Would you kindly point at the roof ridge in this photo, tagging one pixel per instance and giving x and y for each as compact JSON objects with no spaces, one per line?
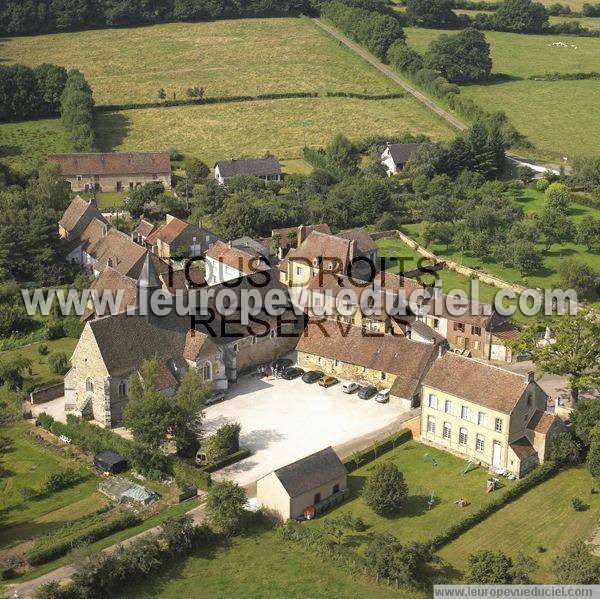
{"x":485,"y":364}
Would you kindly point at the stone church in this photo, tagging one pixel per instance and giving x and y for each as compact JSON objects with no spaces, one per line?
{"x":112,"y":348}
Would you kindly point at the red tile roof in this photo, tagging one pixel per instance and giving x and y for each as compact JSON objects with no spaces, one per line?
{"x":236,"y":258}
{"x":114,"y":163}
{"x":541,"y":422}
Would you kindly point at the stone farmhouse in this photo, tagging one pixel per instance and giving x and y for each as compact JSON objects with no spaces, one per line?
{"x":395,"y":156}
{"x":112,"y":348}
{"x":315,"y":482}
{"x":386,"y":361}
{"x":281,"y":240}
{"x":267,"y":169}
{"x":177,"y":239}
{"x":113,"y":171}
{"x":486,"y":414}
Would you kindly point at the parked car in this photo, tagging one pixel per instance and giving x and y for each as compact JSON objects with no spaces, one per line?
{"x":366,"y":391}
{"x":349,"y":387}
{"x":216,"y":397}
{"x":293,"y":372}
{"x":383,"y":396}
{"x":281,"y":364}
{"x":328,"y":381}
{"x":312,"y":376}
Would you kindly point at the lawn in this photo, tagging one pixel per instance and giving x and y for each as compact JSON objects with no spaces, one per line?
{"x":532,"y":202}
{"x":543,"y":517}
{"x":225,"y":57}
{"x":416,"y":521}
{"x":259,"y":564}
{"x":213,"y":132}
{"x":28,"y":465}
{"x":548,"y":112}
{"x":25,"y":145}
{"x":41,"y":374}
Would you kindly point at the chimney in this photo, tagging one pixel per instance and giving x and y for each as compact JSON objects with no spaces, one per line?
{"x":230,"y":243}
{"x":109,"y":262}
{"x":301,"y":233}
{"x":280,"y":253}
{"x":441,"y":350}
{"x":530,"y":376}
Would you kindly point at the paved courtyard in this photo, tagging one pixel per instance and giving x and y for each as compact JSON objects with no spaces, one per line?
{"x":283,"y":421}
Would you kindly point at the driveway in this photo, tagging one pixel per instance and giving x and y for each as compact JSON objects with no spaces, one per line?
{"x":283,"y":421}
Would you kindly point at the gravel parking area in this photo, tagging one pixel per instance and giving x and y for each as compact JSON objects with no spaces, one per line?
{"x":283,"y":421}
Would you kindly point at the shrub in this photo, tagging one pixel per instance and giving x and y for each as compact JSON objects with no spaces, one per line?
{"x":61,"y":480}
{"x":385,"y":490}
{"x":232,"y":458}
{"x":578,"y":505}
{"x":54,"y":330}
{"x":225,"y":506}
{"x":45,"y":420}
{"x":43,"y":349}
{"x":59,"y":362}
{"x":542,"y":184}
{"x":73,"y":327}
{"x":225,"y":441}
{"x":593,"y":459}
{"x":565,"y":450}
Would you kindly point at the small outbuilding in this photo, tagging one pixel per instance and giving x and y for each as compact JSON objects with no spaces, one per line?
{"x":304,"y":488}
{"x":395,"y":156}
{"x":267,"y":169}
{"x":109,"y":461}
{"x":121,"y":490}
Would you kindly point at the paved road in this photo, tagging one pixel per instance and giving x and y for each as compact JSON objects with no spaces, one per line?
{"x":536,"y":165}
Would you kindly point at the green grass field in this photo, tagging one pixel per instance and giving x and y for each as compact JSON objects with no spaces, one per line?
{"x":416,"y":521}
{"x":226,"y":57}
{"x":260,"y":564}
{"x":28,"y":465}
{"x":24,"y":146}
{"x":561,"y":118}
{"x":532,"y":202}
{"x":542,"y":517}
{"x":41,"y":374}
{"x":219,"y":131}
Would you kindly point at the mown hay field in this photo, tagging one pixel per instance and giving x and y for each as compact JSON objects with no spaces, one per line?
{"x":227,"y":58}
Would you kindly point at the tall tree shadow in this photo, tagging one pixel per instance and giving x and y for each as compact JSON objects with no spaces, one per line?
{"x":112,"y":128}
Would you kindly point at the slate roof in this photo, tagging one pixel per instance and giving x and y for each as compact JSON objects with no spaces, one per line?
{"x":482,"y":384}
{"x":113,"y":163}
{"x":541,"y":422}
{"x":78,"y":210}
{"x":245,"y":261}
{"x":363,"y":239}
{"x":402,"y":152}
{"x":311,"y":472}
{"x":259,"y":167}
{"x":408,"y":360}
{"x":523,"y":448}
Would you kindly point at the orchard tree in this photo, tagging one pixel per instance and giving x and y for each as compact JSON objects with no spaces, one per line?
{"x":579,"y":276}
{"x":557,"y":197}
{"x":489,"y":567}
{"x":386,"y":490}
{"x":556,"y":227}
{"x":525,"y":258}
{"x":575,"y":352}
{"x":588,"y":233}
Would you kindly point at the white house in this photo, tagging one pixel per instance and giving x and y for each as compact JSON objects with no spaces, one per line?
{"x":395,"y":156}
{"x":267,"y":169}
{"x":225,"y":262}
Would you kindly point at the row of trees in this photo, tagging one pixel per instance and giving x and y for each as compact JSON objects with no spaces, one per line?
{"x":44,"y":16}
{"x":27,"y":93}
{"x":368,"y":25}
{"x":77,"y":112}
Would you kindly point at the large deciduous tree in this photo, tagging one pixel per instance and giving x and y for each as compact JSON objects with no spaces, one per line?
{"x":386,"y":490}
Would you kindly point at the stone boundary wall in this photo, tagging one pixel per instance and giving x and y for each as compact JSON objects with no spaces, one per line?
{"x":47,"y":393}
{"x":455,"y":266}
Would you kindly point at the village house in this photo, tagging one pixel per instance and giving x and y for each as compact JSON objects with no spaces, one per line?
{"x":320,"y":252}
{"x":395,"y":156}
{"x":77,"y":217}
{"x":306,"y":487}
{"x":141,"y":232}
{"x":224,"y":262}
{"x":177,"y":239}
{"x":488,"y":415}
{"x":477,"y":331}
{"x":391,"y":362}
{"x":112,"y":348}
{"x":286,"y":238}
{"x":267,"y":169}
{"x":113,"y":171}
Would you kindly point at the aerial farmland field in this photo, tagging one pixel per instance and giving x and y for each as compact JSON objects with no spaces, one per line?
{"x":548,"y":112}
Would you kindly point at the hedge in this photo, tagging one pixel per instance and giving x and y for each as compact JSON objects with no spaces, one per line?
{"x":43,"y":552}
{"x":316,"y":158}
{"x":232,"y":458}
{"x":565,"y":76}
{"x":541,"y":474}
{"x":365,"y":96}
{"x":377,"y":449}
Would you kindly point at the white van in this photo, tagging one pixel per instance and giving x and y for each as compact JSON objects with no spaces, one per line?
{"x":349,"y":387}
{"x":383,"y":396}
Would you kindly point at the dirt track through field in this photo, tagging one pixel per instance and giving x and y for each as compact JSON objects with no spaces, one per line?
{"x":391,"y":75}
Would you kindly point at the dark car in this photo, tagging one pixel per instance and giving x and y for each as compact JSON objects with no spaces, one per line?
{"x":366,"y":391}
{"x":281,"y":364}
{"x":312,"y":376}
{"x":293,"y":372}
